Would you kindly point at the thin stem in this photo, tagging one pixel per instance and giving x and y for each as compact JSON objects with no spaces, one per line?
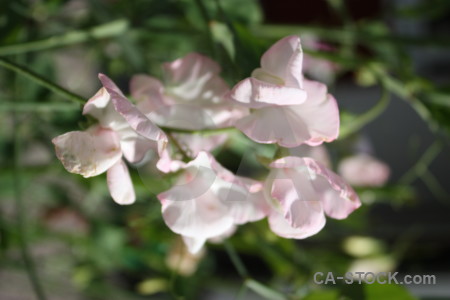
{"x":339,"y":35}
{"x":235,"y":259}
{"x":367,"y":117}
{"x":114,"y":28}
{"x":435,"y":187}
{"x":263,"y":290}
{"x":175,"y":142}
{"x":37,"y":107}
{"x":206,"y":131}
{"x":41,"y":81}
{"x":24,"y":250}
{"x":422,"y":164}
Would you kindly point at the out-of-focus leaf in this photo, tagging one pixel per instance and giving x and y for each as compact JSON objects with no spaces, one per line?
{"x":152,"y":286}
{"x":331,"y":294}
{"x":378,"y":291}
{"x":222,"y":35}
{"x":264,"y":291}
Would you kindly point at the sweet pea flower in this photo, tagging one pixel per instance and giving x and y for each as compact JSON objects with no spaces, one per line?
{"x":286,"y":108}
{"x":191,"y":97}
{"x":302,"y":191}
{"x":102,"y":147}
{"x":208,"y":201}
{"x":364,"y":170}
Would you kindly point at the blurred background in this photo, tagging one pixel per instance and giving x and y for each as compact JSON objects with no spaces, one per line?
{"x":387,"y":64}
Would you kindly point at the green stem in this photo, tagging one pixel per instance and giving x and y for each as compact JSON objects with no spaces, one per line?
{"x":367,"y":117}
{"x":206,"y":131}
{"x":340,"y":35}
{"x":252,"y":284}
{"x":20,"y":218}
{"x":175,"y":142}
{"x":235,"y":259}
{"x":421,"y":166}
{"x":37,"y":107}
{"x":42,"y":81}
{"x":114,"y":28}
{"x":263,"y":290}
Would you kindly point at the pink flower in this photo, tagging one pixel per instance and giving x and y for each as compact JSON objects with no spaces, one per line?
{"x":302,"y":192}
{"x":208,"y":201}
{"x":192,"y":97}
{"x":364,"y":170}
{"x":285,"y":108}
{"x":122,"y":131}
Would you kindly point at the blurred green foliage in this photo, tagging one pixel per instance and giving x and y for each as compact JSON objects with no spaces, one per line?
{"x":83,"y":243}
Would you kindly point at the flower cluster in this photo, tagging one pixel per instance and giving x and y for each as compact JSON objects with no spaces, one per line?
{"x":276,"y":105}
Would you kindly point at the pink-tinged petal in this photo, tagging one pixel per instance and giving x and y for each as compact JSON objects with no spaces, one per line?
{"x":336,"y":207}
{"x":204,"y":216}
{"x":167,"y":165}
{"x":364,"y":170}
{"x":186,"y":116}
{"x":194,"y":143}
{"x":149,"y":93}
{"x":338,"y":198}
{"x":193,"y":244}
{"x":219,"y":239}
{"x":88,"y":153}
{"x":319,"y":114}
{"x":299,"y":201}
{"x":134,"y":149}
{"x":274,"y":125}
{"x":254,"y":93}
{"x":119,"y":184}
{"x":194,"y":78}
{"x":246,"y":206}
{"x":134,"y":146}
{"x":281,"y":227}
{"x":135,"y":118}
{"x":284,"y":60}
{"x":208,"y":200}
{"x":142,"y":86}
{"x":101,"y":108}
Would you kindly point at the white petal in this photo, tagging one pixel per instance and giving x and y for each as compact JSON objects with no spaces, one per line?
{"x":135,"y":118}
{"x":275,"y":125}
{"x":88,"y":153}
{"x":101,"y":108}
{"x":280,"y":226}
{"x":194,"y":78}
{"x":255,"y":93}
{"x":120,"y":184}
{"x":194,"y":245}
{"x":284,"y":59}
{"x":319,"y":114}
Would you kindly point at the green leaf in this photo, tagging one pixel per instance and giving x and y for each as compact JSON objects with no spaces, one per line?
{"x":264,"y":291}
{"x":378,"y":291}
{"x":323,"y":295}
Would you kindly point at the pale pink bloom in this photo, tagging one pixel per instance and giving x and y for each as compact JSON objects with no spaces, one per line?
{"x":286,"y":108}
{"x":302,"y":192}
{"x":191,"y":97}
{"x":208,"y":201}
{"x":364,"y":170}
{"x":101,"y":147}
